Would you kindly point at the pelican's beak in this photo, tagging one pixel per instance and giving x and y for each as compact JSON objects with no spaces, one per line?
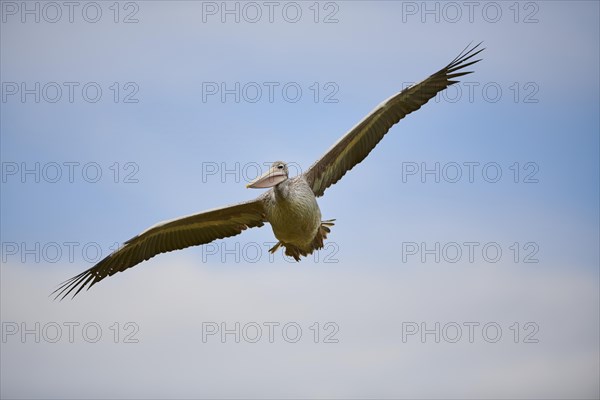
{"x":269,"y":179}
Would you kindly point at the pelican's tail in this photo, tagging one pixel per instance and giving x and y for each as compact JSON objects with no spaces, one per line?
{"x":326,"y":224}
{"x":321,"y":235}
{"x":317,"y":243}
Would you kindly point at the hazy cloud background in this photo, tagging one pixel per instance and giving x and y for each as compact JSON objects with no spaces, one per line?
{"x":365,"y":282}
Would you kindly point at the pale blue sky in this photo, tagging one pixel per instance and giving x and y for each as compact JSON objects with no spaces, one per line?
{"x":170,"y":135}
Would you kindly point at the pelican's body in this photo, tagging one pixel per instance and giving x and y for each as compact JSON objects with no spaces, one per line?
{"x":292,"y":210}
{"x":290,"y":204}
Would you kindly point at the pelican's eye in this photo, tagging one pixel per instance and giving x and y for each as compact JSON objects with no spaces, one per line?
{"x":280,"y":166}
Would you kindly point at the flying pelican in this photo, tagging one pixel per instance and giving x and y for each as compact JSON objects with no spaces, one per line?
{"x":290,"y":205}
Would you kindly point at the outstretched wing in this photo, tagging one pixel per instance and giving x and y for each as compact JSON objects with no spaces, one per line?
{"x":167,"y":236}
{"x":355,"y":145}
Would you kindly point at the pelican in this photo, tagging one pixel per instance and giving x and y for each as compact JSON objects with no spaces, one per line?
{"x":290,"y":204}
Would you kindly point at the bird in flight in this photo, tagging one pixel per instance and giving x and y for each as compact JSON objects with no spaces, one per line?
{"x":290,"y":205}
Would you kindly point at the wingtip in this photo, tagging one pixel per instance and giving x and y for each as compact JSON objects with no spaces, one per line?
{"x":69,"y":285}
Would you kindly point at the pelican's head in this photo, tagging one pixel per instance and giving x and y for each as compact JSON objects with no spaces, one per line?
{"x":277,"y":173}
